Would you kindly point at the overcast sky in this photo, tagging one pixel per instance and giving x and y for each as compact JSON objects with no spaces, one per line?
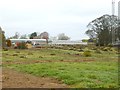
{"x":54,"y":16}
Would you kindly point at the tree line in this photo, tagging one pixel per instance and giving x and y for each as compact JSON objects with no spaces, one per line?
{"x":103,"y":31}
{"x":43,"y":35}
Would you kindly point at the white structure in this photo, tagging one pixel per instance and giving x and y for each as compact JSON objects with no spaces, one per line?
{"x":33,"y":41}
{"x":68,"y":42}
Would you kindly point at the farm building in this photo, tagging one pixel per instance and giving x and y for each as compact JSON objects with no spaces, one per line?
{"x":33,"y":41}
{"x":67,"y":42}
{"x":37,"y":42}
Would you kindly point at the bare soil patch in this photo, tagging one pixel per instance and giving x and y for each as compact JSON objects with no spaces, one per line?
{"x":14,"y":79}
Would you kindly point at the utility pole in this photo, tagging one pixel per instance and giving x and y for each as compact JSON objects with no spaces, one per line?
{"x":118,"y":16}
{"x":119,"y":10}
{"x":113,"y":7}
{"x":112,"y":28}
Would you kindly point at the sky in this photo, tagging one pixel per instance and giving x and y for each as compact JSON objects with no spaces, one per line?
{"x":53,"y":16}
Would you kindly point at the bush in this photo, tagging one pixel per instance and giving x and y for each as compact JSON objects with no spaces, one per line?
{"x":110,"y":45}
{"x":22,"y":45}
{"x":87,"y":53}
{"x":8,"y":42}
{"x":94,"y":48}
{"x":17,"y":51}
{"x":106,"y":49}
{"x":23,"y":57}
{"x":40,"y":57}
{"x":15,"y":54}
{"x":81,"y":50}
{"x":52,"y":54}
{"x":30,"y":53}
{"x":98,"y":51}
{"x":5,"y":49}
{"x":71,"y":49}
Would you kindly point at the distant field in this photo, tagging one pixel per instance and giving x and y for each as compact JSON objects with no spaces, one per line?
{"x":70,"y":67}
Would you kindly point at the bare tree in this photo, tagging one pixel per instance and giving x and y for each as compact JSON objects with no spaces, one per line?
{"x":23,"y":36}
{"x":62,"y":36}
{"x":16,"y":36}
{"x":44,"y":35}
{"x":52,"y":38}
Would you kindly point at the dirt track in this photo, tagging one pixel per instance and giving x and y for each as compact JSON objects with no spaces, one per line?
{"x":14,"y":79}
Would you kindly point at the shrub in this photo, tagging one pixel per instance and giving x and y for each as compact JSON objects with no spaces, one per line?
{"x":113,"y":49}
{"x":22,"y":56}
{"x":106,"y":49}
{"x":110,"y":45}
{"x":30,"y":53}
{"x":81,"y":50}
{"x":98,"y":51}
{"x":8,"y":42}
{"x":17,"y":51}
{"x":94,"y":48}
{"x":117,"y":52}
{"x":15,"y":54}
{"x":5,"y":49}
{"x":71,"y":49}
{"x":52,"y":54}
{"x":87,"y":53}
{"x":40,"y":57}
{"x":77,"y":54}
{"x":22,"y":45}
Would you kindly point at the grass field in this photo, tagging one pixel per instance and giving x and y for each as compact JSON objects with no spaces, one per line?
{"x":70,"y":67}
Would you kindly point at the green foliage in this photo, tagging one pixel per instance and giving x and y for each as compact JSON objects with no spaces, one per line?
{"x":67,"y":66}
{"x":22,"y":45}
{"x":87,"y":53}
{"x":87,"y":75}
{"x":101,"y":29}
{"x":33,"y":35}
{"x":84,"y":40}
